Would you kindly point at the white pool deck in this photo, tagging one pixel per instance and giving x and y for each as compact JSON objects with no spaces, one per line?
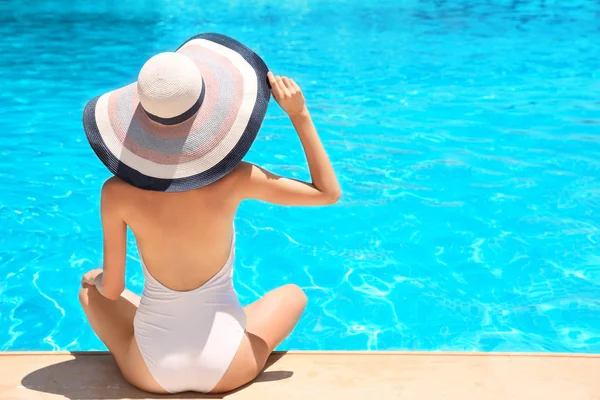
{"x":327,"y":375}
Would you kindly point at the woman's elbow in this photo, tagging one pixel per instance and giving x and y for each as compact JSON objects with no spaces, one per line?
{"x":333,"y":196}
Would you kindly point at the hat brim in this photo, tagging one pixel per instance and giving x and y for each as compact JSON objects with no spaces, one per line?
{"x":180,"y":158}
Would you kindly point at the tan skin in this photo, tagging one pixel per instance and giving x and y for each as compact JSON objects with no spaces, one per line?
{"x":185,"y":239}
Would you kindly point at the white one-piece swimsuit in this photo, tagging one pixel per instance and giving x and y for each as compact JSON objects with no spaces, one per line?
{"x":188,"y":339}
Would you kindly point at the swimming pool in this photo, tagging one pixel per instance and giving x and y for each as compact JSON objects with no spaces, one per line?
{"x":466,"y":135}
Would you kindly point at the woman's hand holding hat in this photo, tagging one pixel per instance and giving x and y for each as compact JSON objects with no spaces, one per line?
{"x":288,"y":94}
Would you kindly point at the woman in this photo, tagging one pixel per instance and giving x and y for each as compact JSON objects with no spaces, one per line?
{"x":174,"y":141}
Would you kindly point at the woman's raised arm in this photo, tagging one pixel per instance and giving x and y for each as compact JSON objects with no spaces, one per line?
{"x":258,"y":183}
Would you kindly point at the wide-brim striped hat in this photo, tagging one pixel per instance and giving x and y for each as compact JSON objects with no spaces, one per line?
{"x":189,"y":119}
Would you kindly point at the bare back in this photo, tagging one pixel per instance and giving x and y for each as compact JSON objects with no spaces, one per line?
{"x":183,"y":238}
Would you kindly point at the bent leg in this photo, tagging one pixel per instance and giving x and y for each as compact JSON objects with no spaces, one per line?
{"x":269,"y":320}
{"x":112,"y":321}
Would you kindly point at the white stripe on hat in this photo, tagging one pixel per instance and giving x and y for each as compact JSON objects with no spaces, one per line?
{"x":214,"y":156}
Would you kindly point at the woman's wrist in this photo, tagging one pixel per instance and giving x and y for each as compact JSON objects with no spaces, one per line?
{"x":302,"y":114}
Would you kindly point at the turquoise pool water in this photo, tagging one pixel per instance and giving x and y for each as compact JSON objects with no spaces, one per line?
{"x":466,"y":135}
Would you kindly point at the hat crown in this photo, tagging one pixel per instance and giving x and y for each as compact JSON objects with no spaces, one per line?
{"x":169,"y":84}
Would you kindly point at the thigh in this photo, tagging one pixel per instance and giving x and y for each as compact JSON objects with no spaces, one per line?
{"x":112,"y":321}
{"x":269,"y":320}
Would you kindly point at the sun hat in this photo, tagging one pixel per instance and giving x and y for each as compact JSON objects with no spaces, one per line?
{"x":189,"y":119}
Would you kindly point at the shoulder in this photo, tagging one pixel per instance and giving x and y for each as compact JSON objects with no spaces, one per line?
{"x":115,"y":193}
{"x":113,"y":185}
{"x":248,"y":171}
{"x":244,"y":169}
{"x":240,"y":174}
{"x":236,"y":183}
{"x":247,"y":174}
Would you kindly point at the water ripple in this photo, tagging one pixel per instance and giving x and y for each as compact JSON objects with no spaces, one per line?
{"x":469,"y":219}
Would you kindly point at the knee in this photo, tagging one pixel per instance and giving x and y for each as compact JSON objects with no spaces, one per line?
{"x":297,"y":295}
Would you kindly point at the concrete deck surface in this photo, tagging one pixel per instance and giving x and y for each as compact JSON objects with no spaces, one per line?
{"x":327,"y":375}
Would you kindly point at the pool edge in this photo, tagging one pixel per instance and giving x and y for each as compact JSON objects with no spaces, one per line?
{"x":344,"y":375}
{"x":344,"y":352}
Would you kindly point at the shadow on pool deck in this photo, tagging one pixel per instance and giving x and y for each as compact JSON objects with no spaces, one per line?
{"x":327,"y":375}
{"x":85,"y":377}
